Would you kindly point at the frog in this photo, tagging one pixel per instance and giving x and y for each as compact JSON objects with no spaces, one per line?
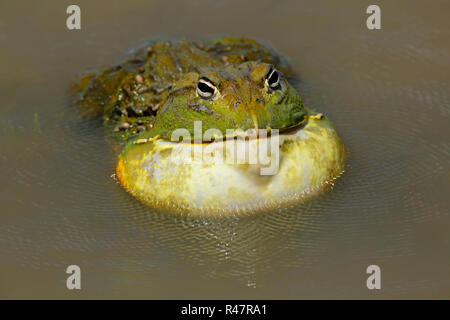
{"x":230,"y":85}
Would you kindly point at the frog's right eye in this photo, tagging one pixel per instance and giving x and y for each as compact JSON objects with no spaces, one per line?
{"x":273,"y":79}
{"x":205,"y":88}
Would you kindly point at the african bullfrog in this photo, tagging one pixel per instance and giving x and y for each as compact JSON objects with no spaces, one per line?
{"x":173,"y":101}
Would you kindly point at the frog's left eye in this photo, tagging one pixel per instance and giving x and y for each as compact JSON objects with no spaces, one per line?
{"x":273,"y":79}
{"x":205,"y":88}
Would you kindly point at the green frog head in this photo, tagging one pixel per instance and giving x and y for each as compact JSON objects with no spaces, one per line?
{"x":251,"y":95}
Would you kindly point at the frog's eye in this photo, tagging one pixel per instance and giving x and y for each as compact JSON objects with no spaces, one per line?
{"x":205,"y":88}
{"x":273,"y":79}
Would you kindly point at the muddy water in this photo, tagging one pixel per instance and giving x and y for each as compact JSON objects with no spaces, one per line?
{"x":387,"y":92}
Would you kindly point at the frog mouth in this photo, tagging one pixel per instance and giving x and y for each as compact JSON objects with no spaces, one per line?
{"x":253,"y":134}
{"x":262,"y":133}
{"x":249,"y":134}
{"x":293,"y":128}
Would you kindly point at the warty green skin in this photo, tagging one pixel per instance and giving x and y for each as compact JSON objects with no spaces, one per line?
{"x":136,"y":90}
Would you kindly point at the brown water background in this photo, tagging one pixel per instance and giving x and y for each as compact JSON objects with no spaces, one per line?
{"x":386,"y":91}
